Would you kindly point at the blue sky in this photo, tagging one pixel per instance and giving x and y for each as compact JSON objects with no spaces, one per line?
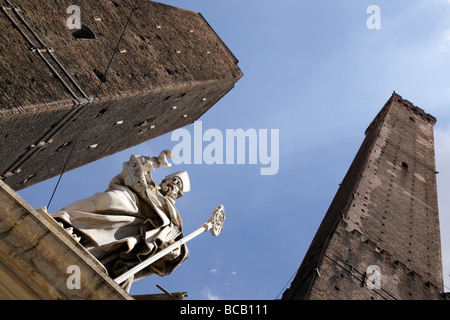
{"x":314,"y":71}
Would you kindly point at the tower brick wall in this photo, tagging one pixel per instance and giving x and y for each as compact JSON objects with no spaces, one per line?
{"x":171,"y":67}
{"x":385,"y":214}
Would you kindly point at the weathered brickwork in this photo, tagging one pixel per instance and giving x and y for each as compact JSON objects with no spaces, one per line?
{"x":171,"y":67}
{"x":385,"y":214}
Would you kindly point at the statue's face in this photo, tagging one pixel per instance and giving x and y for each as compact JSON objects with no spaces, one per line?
{"x":172,"y":187}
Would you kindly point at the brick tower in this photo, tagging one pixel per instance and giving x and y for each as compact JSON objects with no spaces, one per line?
{"x":170,"y":68}
{"x":380,"y":238}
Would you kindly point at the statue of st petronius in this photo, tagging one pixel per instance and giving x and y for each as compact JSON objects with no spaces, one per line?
{"x":132,"y":220}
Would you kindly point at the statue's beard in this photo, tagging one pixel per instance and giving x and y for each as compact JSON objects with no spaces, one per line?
{"x":170,"y":191}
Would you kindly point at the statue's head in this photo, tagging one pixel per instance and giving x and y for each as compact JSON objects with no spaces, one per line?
{"x":176,"y":184}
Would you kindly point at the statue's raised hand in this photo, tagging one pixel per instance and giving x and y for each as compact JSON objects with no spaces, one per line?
{"x":163,"y":158}
{"x":152,"y":163}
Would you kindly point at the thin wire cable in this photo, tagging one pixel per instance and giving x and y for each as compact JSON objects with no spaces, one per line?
{"x":289,"y":281}
{"x":102,"y":80}
{"x":350,"y":271}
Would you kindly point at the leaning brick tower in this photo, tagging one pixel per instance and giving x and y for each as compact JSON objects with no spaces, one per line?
{"x":380,"y":238}
{"x":170,"y":68}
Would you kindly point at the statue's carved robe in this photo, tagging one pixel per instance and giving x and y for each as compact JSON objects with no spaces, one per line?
{"x":127,"y":224}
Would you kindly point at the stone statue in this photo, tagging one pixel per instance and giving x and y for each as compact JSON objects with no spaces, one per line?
{"x":132,"y":220}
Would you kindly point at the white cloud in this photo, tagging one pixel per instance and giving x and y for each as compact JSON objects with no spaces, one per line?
{"x":234,"y":273}
{"x":213,"y":271}
{"x":208,"y":294}
{"x":444,"y":41}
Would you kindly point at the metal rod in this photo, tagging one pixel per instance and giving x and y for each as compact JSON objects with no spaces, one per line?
{"x":213,"y":224}
{"x":46,"y":137}
{"x":68,"y":75}
{"x":43,"y":46}
{"x":17,"y":26}
{"x":165,"y":291}
{"x":59,"y":76}
{"x":26,"y":24}
{"x":161,"y":254}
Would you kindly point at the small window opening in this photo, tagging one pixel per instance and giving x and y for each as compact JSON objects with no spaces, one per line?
{"x":404,"y":165}
{"x":100,"y":75}
{"x":101,"y":112}
{"x":83,"y":33}
{"x":412,"y":119}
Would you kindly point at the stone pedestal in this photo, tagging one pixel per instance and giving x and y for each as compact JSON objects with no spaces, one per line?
{"x":40,"y":260}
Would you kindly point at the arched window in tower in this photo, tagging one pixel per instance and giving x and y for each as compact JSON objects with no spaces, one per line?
{"x":83,"y":33}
